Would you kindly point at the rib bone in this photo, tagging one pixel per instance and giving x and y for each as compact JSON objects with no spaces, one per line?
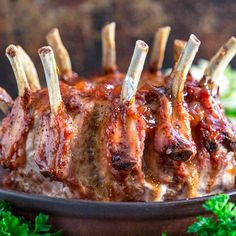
{"x":6,"y":101}
{"x":108,"y":47}
{"x":14,"y":57}
{"x":173,"y":117}
{"x":30,"y":70}
{"x":159,"y":47}
{"x":219,"y":62}
{"x":49,"y":65}
{"x":4,"y":107}
{"x":179,"y":46}
{"x":183,"y":65}
{"x":61,"y":54}
{"x":132,"y":77}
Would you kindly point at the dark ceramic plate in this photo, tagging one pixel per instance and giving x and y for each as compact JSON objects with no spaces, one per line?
{"x":80,"y":217}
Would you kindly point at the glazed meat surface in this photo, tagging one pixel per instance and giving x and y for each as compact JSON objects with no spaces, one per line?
{"x":116,"y":137}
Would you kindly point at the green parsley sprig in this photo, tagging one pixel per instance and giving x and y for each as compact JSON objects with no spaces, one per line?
{"x":11,"y":225}
{"x":223,"y":222}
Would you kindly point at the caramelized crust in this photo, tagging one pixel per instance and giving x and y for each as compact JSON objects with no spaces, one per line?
{"x":98,"y":148}
{"x":14,"y":130}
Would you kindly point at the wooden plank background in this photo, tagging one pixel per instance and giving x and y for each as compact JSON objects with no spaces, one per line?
{"x":26,"y":22}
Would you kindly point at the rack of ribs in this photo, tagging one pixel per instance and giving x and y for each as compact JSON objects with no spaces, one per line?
{"x":139,"y":136}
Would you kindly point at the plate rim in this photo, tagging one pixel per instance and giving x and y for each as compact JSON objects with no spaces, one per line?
{"x":106,"y":210}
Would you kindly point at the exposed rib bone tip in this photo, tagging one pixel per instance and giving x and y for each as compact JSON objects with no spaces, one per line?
{"x":142,"y":45}
{"x":109,"y":47}
{"x":167,"y":28}
{"x":13,"y":56}
{"x":132,"y":78}
{"x":29,"y":68}
{"x":61,"y":54}
{"x":179,"y":46}
{"x":159,"y":46}
{"x":233,"y":39}
{"x":109,"y":25}
{"x":49,"y":65}
{"x":179,"y":43}
{"x":220,"y":60}
{"x":53,"y":35}
{"x":194,"y":39}
{"x":11,"y":50}
{"x":183,"y":65}
{"x":53,"y":31}
{"x":44,"y":50}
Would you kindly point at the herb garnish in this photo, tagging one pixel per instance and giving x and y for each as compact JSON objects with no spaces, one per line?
{"x":11,"y":225}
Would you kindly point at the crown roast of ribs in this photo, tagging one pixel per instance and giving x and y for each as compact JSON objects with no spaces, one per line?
{"x":140,"y":136}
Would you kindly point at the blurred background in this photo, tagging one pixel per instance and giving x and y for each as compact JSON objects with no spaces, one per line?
{"x":26,"y":22}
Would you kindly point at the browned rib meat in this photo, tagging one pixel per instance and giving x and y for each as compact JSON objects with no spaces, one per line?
{"x":14,"y":130}
{"x":173,"y":133}
{"x":120,"y":145}
{"x":26,"y":176}
{"x":215,"y":137}
{"x":53,"y":154}
{"x":170,"y":140}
